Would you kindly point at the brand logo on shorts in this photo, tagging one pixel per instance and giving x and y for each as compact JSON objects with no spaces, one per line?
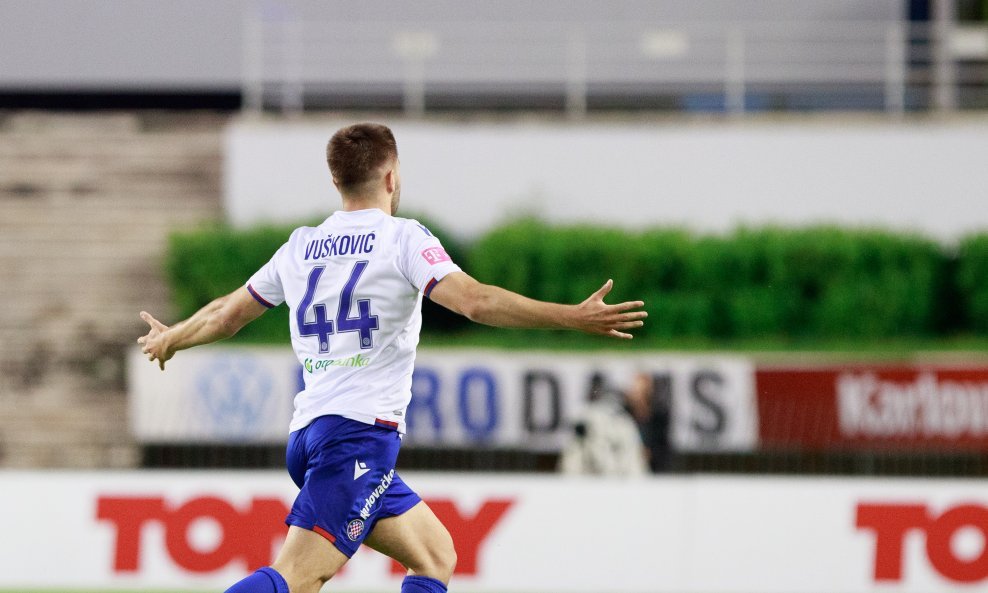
{"x":377,"y":493}
{"x":354,"y":529}
{"x":359,"y":468}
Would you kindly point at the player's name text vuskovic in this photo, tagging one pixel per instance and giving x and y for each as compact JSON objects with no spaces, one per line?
{"x":340,"y":245}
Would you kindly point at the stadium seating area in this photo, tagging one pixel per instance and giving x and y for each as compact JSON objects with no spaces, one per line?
{"x":86,"y":203}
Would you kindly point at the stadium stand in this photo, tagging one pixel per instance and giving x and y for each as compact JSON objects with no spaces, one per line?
{"x":86,"y":203}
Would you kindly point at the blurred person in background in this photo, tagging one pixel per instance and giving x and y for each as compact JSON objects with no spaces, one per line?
{"x":605,"y":440}
{"x":354,"y":285}
{"x":650,"y":408}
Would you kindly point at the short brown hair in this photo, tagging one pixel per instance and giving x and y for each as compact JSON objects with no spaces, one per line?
{"x":354,"y":153}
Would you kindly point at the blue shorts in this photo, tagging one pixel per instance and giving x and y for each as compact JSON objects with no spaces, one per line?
{"x":345,"y":473}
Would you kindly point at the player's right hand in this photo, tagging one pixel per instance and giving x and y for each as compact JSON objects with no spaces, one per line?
{"x":155,"y":343}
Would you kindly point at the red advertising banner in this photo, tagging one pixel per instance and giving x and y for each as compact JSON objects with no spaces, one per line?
{"x":873,"y":407}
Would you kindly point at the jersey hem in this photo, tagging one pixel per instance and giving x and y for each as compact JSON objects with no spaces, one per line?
{"x":379,"y":421}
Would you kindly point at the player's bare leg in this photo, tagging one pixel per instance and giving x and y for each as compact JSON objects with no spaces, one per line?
{"x":418,"y":540}
{"x":307,"y":560}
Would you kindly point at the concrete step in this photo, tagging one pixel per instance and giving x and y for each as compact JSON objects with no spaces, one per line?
{"x":87,"y":203}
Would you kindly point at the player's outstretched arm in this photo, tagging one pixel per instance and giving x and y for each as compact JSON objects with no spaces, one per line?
{"x":492,"y":305}
{"x":219,"y":319}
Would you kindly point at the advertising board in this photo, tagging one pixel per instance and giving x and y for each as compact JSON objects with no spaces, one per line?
{"x":873,"y":407}
{"x":460,"y":398}
{"x":204,"y":531}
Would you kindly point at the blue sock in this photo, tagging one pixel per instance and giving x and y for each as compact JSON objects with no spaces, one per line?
{"x":265,"y":580}
{"x":420,"y":584}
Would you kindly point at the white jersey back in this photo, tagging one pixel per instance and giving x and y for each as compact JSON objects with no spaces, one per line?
{"x":354,"y":288}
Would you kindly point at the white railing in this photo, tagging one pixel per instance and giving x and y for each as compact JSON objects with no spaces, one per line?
{"x":293,"y":63}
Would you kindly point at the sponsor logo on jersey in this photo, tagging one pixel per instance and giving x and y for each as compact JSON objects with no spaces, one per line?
{"x":312,"y":365}
{"x":376,"y":494}
{"x":340,"y":245}
{"x":359,"y":468}
{"x":354,"y":529}
{"x":435,"y":255}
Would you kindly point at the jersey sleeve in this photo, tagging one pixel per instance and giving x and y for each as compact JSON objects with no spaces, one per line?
{"x":423,"y":260}
{"x":265,"y":285}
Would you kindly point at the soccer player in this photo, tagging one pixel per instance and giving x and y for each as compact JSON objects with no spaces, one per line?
{"x":354,"y":285}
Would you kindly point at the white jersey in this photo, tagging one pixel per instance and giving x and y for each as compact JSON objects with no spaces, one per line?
{"x":354,"y":287}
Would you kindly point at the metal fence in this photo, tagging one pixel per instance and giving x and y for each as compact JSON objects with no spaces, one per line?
{"x":294,"y":63}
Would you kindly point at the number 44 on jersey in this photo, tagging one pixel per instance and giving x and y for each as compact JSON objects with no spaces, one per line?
{"x":321,"y":326}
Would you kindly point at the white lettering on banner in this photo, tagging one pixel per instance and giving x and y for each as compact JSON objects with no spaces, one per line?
{"x":890,"y":523}
{"x":928,"y":407}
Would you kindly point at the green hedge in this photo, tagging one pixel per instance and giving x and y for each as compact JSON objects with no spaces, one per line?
{"x":972,"y":281}
{"x":815,"y":282}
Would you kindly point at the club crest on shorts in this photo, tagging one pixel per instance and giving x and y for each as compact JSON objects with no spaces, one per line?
{"x":354,"y":529}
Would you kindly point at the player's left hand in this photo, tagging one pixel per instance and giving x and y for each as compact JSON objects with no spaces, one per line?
{"x":594,"y":316}
{"x":154,"y":344}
